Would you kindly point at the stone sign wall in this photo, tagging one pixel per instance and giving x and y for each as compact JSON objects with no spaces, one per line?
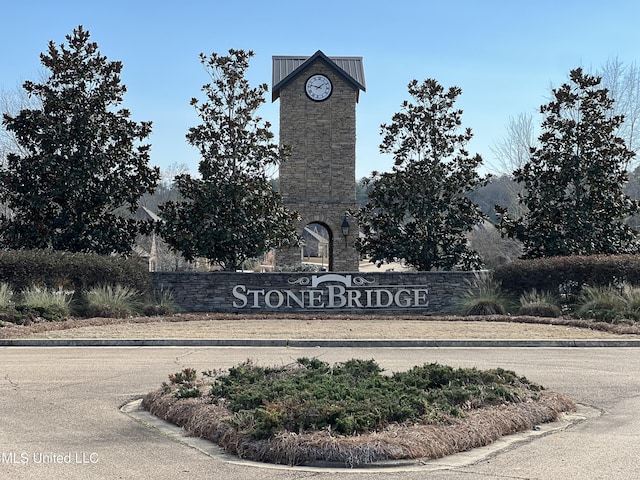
{"x":380,"y":292}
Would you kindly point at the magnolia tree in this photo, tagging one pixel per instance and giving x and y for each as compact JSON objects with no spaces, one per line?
{"x":77,"y":167}
{"x":231,"y":213}
{"x":420,"y":213}
{"x":573,"y":182}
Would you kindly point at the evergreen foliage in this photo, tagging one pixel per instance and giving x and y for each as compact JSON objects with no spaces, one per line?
{"x":354,"y":397}
{"x":420,"y":211}
{"x":79,"y":168}
{"x":231,"y":213}
{"x":574,"y":199}
{"x":74,"y":271}
{"x":567,"y":275}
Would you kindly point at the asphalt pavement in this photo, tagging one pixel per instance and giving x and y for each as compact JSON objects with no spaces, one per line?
{"x":61,"y":413}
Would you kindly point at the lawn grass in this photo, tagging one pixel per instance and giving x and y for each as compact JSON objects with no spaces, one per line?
{"x":352,"y":413}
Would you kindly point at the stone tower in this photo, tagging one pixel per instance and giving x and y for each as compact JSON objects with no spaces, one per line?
{"x":318,"y":97}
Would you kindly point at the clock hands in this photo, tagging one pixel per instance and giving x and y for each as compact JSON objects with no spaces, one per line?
{"x":318,"y":87}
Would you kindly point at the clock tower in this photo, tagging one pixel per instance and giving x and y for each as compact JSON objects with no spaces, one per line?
{"x":318,"y":97}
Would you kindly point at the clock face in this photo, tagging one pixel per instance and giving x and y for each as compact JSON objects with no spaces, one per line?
{"x":318,"y":87}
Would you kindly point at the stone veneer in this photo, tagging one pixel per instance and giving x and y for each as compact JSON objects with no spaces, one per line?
{"x":318,"y":180}
{"x":379,"y":292}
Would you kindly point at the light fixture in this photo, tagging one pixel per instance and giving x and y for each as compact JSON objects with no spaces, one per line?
{"x":345,"y":228}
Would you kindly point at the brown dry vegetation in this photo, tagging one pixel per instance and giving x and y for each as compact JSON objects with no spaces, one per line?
{"x":230,"y":325}
{"x":480,"y":427}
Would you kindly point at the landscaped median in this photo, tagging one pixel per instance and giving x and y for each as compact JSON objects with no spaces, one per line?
{"x":352,"y":413}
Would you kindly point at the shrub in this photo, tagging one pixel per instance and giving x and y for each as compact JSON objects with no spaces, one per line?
{"x":631,"y":297}
{"x":52,"y":305}
{"x":483,"y":296}
{"x":73,"y":271}
{"x":601,"y":303}
{"x":567,"y":275}
{"x":354,"y":397}
{"x":300,"y":267}
{"x":610,"y":303}
{"x":162,"y":303}
{"x":8,"y":312}
{"x":6,"y":296}
{"x":187,"y":376}
{"x":111,"y":301}
{"x":539,"y":304}
{"x":186,"y":380}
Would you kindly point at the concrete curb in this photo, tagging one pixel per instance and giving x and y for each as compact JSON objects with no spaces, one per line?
{"x":134,"y":410}
{"x":325,"y":343}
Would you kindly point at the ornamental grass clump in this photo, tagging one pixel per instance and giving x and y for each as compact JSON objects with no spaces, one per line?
{"x":611,"y":303}
{"x":631,"y":296}
{"x":539,"y":304}
{"x":112,"y":301}
{"x":162,"y":303}
{"x":6,"y":296}
{"x":49,"y":304}
{"x":483,"y":296}
{"x":7,"y":306}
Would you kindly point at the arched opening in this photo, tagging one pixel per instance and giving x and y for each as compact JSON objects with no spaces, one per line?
{"x":316,"y":246}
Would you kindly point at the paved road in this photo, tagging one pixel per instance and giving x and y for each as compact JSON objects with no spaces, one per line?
{"x":60,"y":413}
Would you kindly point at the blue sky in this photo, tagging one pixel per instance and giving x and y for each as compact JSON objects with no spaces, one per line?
{"x":504,"y":55}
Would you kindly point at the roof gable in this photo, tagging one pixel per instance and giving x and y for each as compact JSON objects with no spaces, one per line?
{"x":285,"y":69}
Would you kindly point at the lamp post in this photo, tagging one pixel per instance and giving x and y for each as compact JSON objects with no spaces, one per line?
{"x":345,"y":229}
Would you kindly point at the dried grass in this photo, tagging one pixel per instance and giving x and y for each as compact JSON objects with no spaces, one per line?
{"x":397,"y":442}
{"x":20,"y":331}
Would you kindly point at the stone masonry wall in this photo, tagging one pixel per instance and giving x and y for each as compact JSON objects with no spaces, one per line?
{"x":380,"y":292}
{"x":318,"y":180}
{"x":322,"y":137}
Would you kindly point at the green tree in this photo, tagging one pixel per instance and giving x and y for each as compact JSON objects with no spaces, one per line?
{"x":231,"y":213}
{"x":573,"y":182}
{"x":420,"y":211}
{"x":78,"y":164}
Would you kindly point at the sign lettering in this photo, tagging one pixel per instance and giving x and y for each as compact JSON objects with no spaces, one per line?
{"x":344,"y":292}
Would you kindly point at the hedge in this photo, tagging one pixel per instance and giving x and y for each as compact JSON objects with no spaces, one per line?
{"x":78,"y":271}
{"x":568,"y":274}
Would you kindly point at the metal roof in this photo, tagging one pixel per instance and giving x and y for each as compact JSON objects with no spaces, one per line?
{"x":144,"y":213}
{"x":316,"y":235}
{"x":285,"y":68}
